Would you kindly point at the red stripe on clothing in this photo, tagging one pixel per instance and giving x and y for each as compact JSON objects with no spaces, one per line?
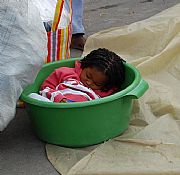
{"x":58,"y":44}
{"x":49,"y":47}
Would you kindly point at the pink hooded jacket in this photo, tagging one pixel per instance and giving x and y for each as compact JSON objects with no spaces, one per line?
{"x":64,"y":83}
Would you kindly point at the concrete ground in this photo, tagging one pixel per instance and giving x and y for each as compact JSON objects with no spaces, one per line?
{"x":21,"y":152}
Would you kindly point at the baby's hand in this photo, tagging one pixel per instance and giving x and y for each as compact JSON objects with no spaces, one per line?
{"x":63,"y":100}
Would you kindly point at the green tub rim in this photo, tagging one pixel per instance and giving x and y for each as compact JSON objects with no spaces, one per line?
{"x":127,"y":91}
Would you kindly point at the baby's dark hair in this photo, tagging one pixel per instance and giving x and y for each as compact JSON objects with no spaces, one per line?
{"x":109,"y":63}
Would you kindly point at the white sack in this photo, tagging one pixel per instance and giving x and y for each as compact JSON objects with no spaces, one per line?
{"x":22,"y":51}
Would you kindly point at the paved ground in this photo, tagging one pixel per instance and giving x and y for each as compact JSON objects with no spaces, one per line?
{"x":21,"y":152}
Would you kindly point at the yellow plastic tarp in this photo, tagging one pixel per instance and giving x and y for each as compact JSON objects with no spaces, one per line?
{"x":151,"y":145}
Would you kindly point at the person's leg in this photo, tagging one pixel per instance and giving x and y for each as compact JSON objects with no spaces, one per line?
{"x":78,"y":40}
{"x":77,"y":16}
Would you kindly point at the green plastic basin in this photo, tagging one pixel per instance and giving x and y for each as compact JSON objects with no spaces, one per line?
{"x":83,"y":123}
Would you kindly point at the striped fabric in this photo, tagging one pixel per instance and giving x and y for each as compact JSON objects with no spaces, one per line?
{"x":59,"y":40}
{"x":70,"y":89}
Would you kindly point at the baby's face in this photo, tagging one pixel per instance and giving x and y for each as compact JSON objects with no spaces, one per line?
{"x":93,"y":78}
